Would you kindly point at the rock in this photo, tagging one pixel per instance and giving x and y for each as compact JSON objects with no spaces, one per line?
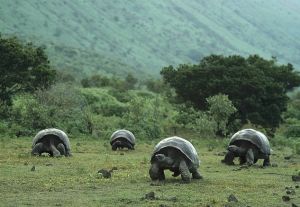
{"x":174,"y":199}
{"x":295,"y":177}
{"x":105,"y":173}
{"x":33,"y":168}
{"x":288,"y":157}
{"x":290,"y":192}
{"x":150,"y":196}
{"x":221,"y":153}
{"x":232,"y":198}
{"x":294,"y":205}
{"x":286,"y":198}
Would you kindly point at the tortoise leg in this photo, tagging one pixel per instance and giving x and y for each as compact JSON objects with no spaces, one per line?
{"x":129,"y":146}
{"x":54,"y":151}
{"x":184,"y":171}
{"x":196,"y":174}
{"x":38,"y":149}
{"x":61,"y":148}
{"x":250,"y":157}
{"x":228,"y":159}
{"x":242,"y":160}
{"x":176,"y":172}
{"x":266,"y":162}
{"x":114,"y":146}
{"x":156,"y":173}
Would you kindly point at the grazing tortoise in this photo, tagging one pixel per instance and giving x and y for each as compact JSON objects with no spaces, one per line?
{"x":52,"y":141}
{"x":177,"y":155}
{"x":249,"y":145}
{"x":122,"y":139}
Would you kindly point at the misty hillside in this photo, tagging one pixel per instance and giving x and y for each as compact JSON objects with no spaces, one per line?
{"x":116,"y":36}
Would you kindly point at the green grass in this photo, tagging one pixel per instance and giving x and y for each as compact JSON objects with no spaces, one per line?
{"x":74,"y":181}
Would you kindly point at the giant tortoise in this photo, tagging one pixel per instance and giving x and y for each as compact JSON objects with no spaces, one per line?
{"x":122,"y":139}
{"x":249,"y":145}
{"x":52,"y":141}
{"x":177,"y":155}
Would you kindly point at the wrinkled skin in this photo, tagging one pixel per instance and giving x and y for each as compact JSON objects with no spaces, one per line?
{"x":247,"y":152}
{"x":121,"y":143}
{"x":49,"y":144}
{"x":173,"y":160}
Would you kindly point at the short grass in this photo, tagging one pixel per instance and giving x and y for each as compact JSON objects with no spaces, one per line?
{"x":74,"y":181}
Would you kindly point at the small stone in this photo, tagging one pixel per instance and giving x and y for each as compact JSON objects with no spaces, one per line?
{"x":286,"y":198}
{"x":232,"y":198}
{"x":294,"y":205}
{"x":105,"y":173}
{"x":33,"y":168}
{"x":150,"y":196}
{"x":295,"y":177}
{"x":290,"y":192}
{"x":288,"y":157}
{"x":221,"y":153}
{"x":174,"y":199}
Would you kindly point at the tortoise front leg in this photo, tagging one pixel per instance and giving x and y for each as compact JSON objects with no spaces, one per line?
{"x":267,"y":161}
{"x":156,"y":173}
{"x":115,"y":146}
{"x":242,"y":160}
{"x":184,"y":171}
{"x":54,"y":152}
{"x":250,"y":157}
{"x":228,"y":159}
{"x":196,"y":174}
{"x":38,"y":149}
{"x":61,"y":148}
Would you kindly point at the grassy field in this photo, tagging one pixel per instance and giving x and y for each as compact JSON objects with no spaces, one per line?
{"x":74,"y":181}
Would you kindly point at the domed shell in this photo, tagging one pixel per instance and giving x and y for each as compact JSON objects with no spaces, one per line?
{"x":123,"y":133}
{"x":184,"y":146}
{"x":56,"y":132}
{"x":255,"y":137}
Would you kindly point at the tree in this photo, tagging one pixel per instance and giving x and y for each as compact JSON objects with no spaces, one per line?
{"x":220,"y":108}
{"x":23,"y":67}
{"x":256,"y":87}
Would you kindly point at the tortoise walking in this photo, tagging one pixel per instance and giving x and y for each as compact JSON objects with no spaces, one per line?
{"x":122,"y":139}
{"x":177,"y":155}
{"x":52,"y":141}
{"x":249,"y":145}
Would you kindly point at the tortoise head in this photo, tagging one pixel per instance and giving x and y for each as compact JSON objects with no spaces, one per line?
{"x":164,"y":160}
{"x":238,"y":151}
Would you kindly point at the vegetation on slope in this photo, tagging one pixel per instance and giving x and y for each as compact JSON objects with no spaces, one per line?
{"x":147,"y":35}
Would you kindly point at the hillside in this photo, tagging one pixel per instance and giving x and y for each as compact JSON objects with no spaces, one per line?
{"x":116,"y":36}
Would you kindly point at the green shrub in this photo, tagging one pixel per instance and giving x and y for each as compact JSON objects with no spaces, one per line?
{"x":292,"y":131}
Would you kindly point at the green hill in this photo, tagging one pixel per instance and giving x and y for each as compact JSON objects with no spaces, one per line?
{"x":142,"y":36}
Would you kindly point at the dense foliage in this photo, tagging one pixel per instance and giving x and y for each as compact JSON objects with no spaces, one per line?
{"x":23,"y":67}
{"x":257,"y":87}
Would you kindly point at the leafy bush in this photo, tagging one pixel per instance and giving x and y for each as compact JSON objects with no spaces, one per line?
{"x":292,"y":131}
{"x":148,"y":118}
{"x":61,"y":106}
